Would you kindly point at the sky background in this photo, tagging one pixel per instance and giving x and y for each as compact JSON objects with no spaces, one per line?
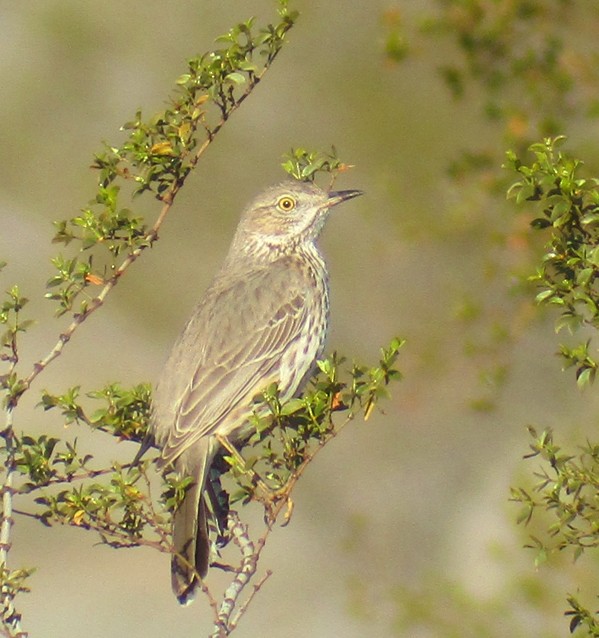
{"x":412,"y":507}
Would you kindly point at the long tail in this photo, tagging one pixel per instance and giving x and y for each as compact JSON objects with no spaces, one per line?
{"x":191,"y":543}
{"x":203,"y":513}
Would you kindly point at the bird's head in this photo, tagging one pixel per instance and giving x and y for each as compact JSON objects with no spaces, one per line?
{"x":287,"y":215}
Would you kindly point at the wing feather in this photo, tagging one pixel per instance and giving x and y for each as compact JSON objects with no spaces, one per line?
{"x":237,"y":337}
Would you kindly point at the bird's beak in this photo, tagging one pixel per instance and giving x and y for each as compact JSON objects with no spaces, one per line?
{"x":336,"y":197}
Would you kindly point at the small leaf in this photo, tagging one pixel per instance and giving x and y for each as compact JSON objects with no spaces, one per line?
{"x":236,"y":78}
{"x":584,"y":377}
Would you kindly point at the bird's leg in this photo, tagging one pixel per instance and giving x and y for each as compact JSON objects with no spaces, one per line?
{"x":271,"y":500}
{"x":289,"y":509}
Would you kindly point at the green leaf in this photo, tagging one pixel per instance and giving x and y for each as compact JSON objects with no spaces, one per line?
{"x":236,"y":78}
{"x":584,"y":377}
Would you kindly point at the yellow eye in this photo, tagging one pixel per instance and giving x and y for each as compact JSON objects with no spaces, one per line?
{"x":286,"y":203}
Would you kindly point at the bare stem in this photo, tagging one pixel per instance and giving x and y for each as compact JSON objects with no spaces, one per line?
{"x":249,"y":564}
{"x":7,"y":491}
{"x":11,"y":619}
{"x":243,"y":607}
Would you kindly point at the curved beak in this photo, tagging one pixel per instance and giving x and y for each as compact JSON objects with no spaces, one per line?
{"x":337,"y":197}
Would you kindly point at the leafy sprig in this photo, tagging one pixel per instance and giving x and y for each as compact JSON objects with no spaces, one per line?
{"x":567,"y":207}
{"x":565,"y":492}
{"x":124,"y":412}
{"x":304,"y":165}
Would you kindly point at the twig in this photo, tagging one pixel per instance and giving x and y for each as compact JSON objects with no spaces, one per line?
{"x":243,"y":608}
{"x":123,"y":539}
{"x":72,"y":478}
{"x":282,"y":496}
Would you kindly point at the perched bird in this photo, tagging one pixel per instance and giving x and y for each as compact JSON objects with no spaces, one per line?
{"x":263,"y":319}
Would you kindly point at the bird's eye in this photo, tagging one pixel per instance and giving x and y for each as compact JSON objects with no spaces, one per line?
{"x":286,"y":203}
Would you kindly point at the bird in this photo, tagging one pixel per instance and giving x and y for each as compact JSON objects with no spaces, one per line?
{"x":263,"y":319}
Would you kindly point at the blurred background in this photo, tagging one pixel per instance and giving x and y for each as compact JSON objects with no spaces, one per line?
{"x":403,"y":526}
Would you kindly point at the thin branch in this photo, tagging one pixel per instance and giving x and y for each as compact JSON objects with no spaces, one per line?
{"x":243,"y":608}
{"x":62,"y":479}
{"x":11,"y":619}
{"x":123,"y":540}
{"x":282,"y":497}
{"x":153,"y":517}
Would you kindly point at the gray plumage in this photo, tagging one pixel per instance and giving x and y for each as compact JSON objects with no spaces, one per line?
{"x":263,"y":319}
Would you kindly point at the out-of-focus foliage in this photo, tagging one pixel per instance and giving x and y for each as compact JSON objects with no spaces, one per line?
{"x":522,"y":70}
{"x":531,"y":57}
{"x":567,"y":210}
{"x":531,"y":66}
{"x":566,"y":489}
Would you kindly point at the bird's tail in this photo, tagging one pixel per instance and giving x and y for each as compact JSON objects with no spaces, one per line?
{"x":191,"y":543}
{"x":202,"y":514}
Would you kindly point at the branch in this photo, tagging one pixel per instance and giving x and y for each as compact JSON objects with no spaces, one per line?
{"x":250,"y":555}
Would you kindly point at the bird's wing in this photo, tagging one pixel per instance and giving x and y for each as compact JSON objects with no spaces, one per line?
{"x":230,"y":350}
